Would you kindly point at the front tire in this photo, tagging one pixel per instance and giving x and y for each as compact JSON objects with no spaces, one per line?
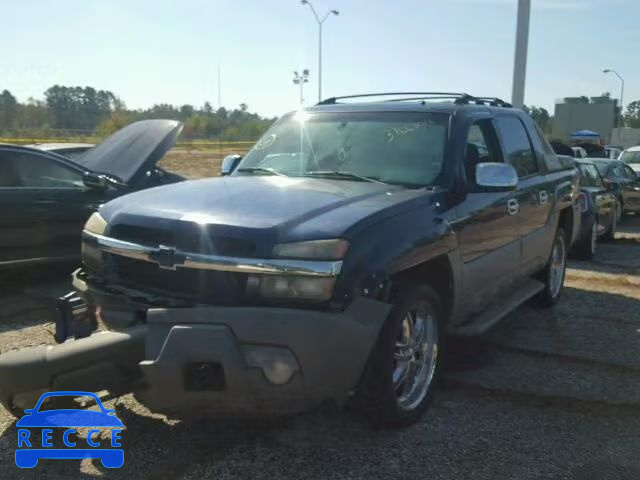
{"x":404,"y":365}
{"x":554,"y":272}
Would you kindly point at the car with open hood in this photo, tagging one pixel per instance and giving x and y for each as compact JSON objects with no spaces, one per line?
{"x":46,"y":198}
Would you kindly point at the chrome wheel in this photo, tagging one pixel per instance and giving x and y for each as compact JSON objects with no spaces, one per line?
{"x":414,"y":359}
{"x":557,"y":266}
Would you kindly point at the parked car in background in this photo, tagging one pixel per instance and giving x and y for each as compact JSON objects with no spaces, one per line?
{"x":329,"y":264}
{"x":72,"y":151}
{"x":612,"y":152}
{"x":46,"y":198}
{"x":624,"y":181}
{"x":598,"y":205}
{"x":631,"y":156}
{"x":579,"y":152}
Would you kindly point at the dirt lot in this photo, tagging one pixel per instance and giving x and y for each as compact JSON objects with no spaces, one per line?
{"x":546,"y":394}
{"x":198,"y":162}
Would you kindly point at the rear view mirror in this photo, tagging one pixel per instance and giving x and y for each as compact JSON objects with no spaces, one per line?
{"x":94,"y":181}
{"x":496,"y":176}
{"x":229,"y":164}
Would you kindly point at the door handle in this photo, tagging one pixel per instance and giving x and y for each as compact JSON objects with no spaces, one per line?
{"x":544,"y":197}
{"x":513,"y":206}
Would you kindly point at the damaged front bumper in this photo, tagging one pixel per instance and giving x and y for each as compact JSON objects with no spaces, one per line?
{"x":213,"y":360}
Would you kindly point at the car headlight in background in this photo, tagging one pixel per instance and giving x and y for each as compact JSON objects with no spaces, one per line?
{"x":96,"y":224}
{"x":333,"y":249}
{"x":91,"y":254}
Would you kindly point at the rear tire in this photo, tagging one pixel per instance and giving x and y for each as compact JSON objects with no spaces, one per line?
{"x":398,"y":382}
{"x":585,"y":248}
{"x":611,"y":233}
{"x":554,"y":272}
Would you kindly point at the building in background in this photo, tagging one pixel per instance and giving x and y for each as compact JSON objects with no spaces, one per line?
{"x":581,"y":113}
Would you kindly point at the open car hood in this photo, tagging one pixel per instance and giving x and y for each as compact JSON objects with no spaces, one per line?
{"x":133,"y":150}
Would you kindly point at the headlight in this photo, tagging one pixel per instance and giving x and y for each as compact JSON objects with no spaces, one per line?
{"x":96,"y":224}
{"x":91,"y":254}
{"x":294,"y":287}
{"x":333,"y":249}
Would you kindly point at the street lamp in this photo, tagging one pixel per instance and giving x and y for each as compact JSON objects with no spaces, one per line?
{"x":320,"y":22}
{"x":609,"y":70}
{"x":301,"y":80}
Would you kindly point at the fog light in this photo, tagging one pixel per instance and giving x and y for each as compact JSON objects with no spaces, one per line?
{"x":289,"y":286}
{"x":278,"y":364}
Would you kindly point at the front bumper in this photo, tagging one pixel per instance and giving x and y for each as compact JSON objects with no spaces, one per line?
{"x":315,"y":356}
{"x":214,"y":360}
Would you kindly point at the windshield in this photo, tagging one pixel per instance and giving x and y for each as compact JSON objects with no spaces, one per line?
{"x":406,"y":148}
{"x":630,"y":157}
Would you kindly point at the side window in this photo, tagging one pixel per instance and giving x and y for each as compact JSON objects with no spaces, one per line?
{"x":517,"y":146}
{"x":629,"y":173}
{"x":482,"y":147}
{"x":37,"y":171}
{"x":618,"y":171}
{"x":590,"y":176}
{"x":546,"y":147}
{"x":8,"y":175}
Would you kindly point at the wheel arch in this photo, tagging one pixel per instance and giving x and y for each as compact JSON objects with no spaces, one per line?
{"x":437,"y":272}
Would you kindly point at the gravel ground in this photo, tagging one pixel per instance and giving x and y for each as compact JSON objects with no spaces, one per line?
{"x":546,"y":394}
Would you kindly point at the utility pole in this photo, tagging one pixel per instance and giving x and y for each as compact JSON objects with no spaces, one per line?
{"x":619,"y":122}
{"x":520,"y":61}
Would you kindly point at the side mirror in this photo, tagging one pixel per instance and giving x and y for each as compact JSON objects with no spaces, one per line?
{"x":95,"y":181}
{"x":496,"y":177}
{"x":229,"y":164}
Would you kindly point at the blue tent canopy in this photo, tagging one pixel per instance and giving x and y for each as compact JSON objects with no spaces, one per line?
{"x":585,"y":133}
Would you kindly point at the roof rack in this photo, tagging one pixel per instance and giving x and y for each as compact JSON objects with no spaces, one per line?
{"x":460,"y":98}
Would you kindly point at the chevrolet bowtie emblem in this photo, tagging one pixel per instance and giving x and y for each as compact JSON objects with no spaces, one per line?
{"x":166,"y":257}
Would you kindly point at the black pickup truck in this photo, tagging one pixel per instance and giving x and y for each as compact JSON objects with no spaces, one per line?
{"x":327,"y":264}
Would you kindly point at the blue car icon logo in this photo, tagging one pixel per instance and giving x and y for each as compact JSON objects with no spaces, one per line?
{"x":35,"y":444}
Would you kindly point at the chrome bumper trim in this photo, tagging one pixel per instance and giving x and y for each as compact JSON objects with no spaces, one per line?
{"x":201,"y":261}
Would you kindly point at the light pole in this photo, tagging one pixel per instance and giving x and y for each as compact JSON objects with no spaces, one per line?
{"x":320,"y":22}
{"x":608,"y":70}
{"x":520,"y":60}
{"x":301,"y":80}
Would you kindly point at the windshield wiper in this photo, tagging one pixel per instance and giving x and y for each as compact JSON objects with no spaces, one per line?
{"x":343,"y":175}
{"x":270,"y":171}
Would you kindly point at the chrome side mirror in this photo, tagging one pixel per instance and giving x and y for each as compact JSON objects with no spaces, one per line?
{"x":496,"y":176}
{"x":229,"y":164}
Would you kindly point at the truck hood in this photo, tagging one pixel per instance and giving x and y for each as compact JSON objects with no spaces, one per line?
{"x":281,"y":208}
{"x":133,"y":150}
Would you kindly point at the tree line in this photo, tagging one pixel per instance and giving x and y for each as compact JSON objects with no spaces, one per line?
{"x":86,"y":111}
{"x":80,"y":111}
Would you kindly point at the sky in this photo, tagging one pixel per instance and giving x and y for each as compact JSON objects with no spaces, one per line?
{"x":166,"y":51}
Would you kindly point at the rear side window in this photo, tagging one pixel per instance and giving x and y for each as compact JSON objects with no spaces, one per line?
{"x":590,"y":176}
{"x":517,"y":146}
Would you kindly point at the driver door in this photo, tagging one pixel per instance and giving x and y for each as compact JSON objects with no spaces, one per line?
{"x":44,"y":204}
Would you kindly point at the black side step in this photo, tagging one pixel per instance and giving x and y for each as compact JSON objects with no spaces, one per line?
{"x":488,"y":318}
